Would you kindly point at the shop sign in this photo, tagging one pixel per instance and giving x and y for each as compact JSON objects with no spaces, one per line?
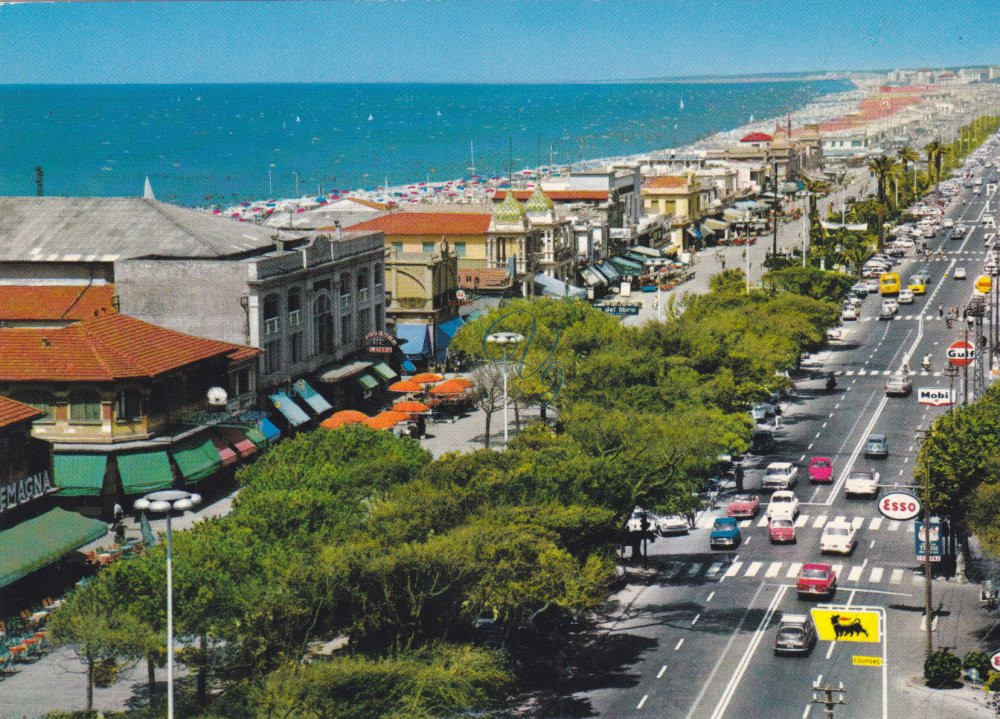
{"x":24,"y":490}
{"x":379,"y":342}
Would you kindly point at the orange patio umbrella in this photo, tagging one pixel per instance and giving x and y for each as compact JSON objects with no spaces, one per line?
{"x":459,"y":382}
{"x":411,"y":407}
{"x":450,"y":387}
{"x":426,"y":378}
{"x":385,"y":420}
{"x":344,"y":416}
{"x":406,"y":385}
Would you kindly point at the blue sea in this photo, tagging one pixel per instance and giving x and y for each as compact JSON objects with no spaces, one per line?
{"x":207,"y":145}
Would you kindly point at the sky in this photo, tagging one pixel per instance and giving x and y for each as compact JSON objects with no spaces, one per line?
{"x":482,"y":40}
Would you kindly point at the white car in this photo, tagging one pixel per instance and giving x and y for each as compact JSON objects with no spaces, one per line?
{"x":780,"y":475}
{"x":949,"y":223}
{"x":849,"y":312}
{"x":783,"y":504}
{"x":872,"y":285}
{"x":671,"y":524}
{"x":838,"y":537}
{"x":862,"y":483}
{"x":905,"y":297}
{"x":959,"y":273}
{"x":890,"y":303}
{"x":635,"y":521}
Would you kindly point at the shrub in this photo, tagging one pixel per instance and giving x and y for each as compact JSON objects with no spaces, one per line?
{"x":992,"y":683}
{"x":942,"y":668}
{"x":978,"y":660}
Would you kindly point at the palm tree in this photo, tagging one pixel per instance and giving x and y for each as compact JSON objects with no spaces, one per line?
{"x":855,"y":251}
{"x":884,"y":168}
{"x":933,"y":151}
{"x":908,"y":156}
{"x":814,"y":188}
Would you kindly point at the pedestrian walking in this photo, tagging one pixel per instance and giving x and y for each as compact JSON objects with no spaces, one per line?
{"x":777,"y":422}
{"x":940,"y":311}
{"x":722,"y":260}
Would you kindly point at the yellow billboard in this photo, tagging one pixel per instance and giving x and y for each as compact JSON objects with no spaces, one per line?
{"x":861,"y":661}
{"x":843,"y":624}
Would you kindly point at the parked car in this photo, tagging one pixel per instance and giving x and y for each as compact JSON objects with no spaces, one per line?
{"x":783,"y":503}
{"x":862,"y":483}
{"x":781,"y":530}
{"x":820,"y":469}
{"x":838,"y":537}
{"x":877,"y":446}
{"x":860,"y":288}
{"x":762,"y":411}
{"x":634,"y":523}
{"x":743,"y":506}
{"x":763,"y":441}
{"x":816,"y":580}
{"x":872,"y":284}
{"x":855,"y":299}
{"x":672,"y":524}
{"x":796,"y":635}
{"x":725,"y":534}
{"x":780,"y":475}
{"x":849,"y":312}
{"x":898,"y":386}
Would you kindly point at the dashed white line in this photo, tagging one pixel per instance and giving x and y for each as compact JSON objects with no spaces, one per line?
{"x":805,"y":714}
{"x":642,"y":701}
{"x":679,"y":643}
{"x":695,"y":620}
{"x":661,"y":672}
{"x":802,"y":457}
{"x":709,"y":597}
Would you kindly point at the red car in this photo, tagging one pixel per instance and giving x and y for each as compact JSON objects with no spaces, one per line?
{"x":816,"y":580}
{"x":820,"y":469}
{"x":744,"y":505}
{"x":781,"y":530}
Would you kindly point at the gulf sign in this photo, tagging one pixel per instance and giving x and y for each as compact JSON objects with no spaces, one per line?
{"x":899,"y":506}
{"x":842,"y":624}
{"x":935,"y":396}
{"x":961,"y":353}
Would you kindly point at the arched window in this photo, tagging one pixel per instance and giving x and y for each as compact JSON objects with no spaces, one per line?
{"x":84,"y":406}
{"x":363,"y":279}
{"x":128,"y":405}
{"x":39,"y":399}
{"x":323,"y":324}
{"x":272,"y":308}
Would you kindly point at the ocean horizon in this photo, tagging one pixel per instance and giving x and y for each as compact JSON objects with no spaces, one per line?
{"x":218,"y":144}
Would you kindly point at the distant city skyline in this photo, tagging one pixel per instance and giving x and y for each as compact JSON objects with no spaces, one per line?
{"x":499,"y":41}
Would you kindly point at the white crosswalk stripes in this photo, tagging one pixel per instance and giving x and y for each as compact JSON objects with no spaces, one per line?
{"x":876,"y":576}
{"x":875,"y":523}
{"x":897,"y":576}
{"x":695,"y":568}
{"x":762,"y":522}
{"x":744,"y":523}
{"x":782,"y":572}
{"x":793,"y":570}
{"x":894,"y":525}
{"x":838,"y":569}
{"x":801,"y":521}
{"x":714,"y":570}
{"x":772,"y":571}
{"x":857,"y":522}
{"x":753,"y":569}
{"x":734,"y":569}
{"x":820,"y":521}
{"x":855,"y":574}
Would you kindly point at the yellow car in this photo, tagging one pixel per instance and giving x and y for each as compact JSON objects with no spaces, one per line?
{"x":918,"y":288}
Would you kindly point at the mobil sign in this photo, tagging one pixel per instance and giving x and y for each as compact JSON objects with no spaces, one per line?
{"x":961,"y":353}
{"x":935,"y":396}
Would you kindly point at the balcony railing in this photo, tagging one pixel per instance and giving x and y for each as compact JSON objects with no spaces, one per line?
{"x":362,"y":295}
{"x":345,"y":303}
{"x":295,"y":318}
{"x":271,"y":326}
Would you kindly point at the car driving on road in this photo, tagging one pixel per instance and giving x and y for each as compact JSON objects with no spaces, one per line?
{"x":796,"y":635}
{"x":781,"y":530}
{"x":838,"y":537}
{"x":877,"y":446}
{"x":820,"y":469}
{"x":780,"y":475}
{"x":783,"y":503}
{"x":725,"y":534}
{"x":671,"y":524}
{"x":743,"y":506}
{"x":862,"y":483}
{"x":898,"y":386}
{"x":816,"y":580}
{"x":959,"y":273}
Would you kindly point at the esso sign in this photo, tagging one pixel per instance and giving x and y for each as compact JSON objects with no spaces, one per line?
{"x":995,"y":661}
{"x":899,"y":505}
{"x":961,"y":353}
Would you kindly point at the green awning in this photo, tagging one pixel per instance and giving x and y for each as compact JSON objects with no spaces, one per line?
{"x":367,"y":381}
{"x":145,"y":472}
{"x":80,"y":475}
{"x":255,"y":436}
{"x":196,"y":458}
{"x":385,"y":371}
{"x":36,"y":542}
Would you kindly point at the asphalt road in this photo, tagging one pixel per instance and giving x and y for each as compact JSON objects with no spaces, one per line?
{"x":696,"y":640}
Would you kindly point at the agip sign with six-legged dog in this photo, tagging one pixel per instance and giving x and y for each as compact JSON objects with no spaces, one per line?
{"x":844,"y":624}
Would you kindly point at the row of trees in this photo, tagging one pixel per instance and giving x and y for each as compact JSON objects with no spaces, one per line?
{"x":452,"y":581}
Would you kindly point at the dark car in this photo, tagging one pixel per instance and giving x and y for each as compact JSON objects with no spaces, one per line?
{"x":796,"y":635}
{"x":763,"y":441}
{"x":877,"y":446}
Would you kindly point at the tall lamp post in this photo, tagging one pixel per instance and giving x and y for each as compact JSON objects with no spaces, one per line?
{"x":270,"y":180}
{"x":167,"y":502}
{"x":507,"y":342}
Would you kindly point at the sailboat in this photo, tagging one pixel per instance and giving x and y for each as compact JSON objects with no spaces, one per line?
{"x":751,"y":118}
{"x":370,"y":118}
{"x":682,"y":103}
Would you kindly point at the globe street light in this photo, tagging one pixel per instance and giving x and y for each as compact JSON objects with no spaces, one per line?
{"x":508,"y":342}
{"x":168,"y":502}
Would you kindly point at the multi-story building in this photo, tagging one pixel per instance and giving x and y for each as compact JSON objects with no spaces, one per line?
{"x":676,"y":197}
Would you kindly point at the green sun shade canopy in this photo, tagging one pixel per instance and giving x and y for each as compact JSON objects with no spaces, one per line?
{"x":34,"y":543}
{"x":80,"y":475}
{"x":197,"y":458}
{"x":145,"y":472}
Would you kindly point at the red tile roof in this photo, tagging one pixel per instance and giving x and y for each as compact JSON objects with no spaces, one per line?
{"x":756,"y":137}
{"x":429,"y":223}
{"x":556,"y":195}
{"x":55,"y":302}
{"x":666,"y":182}
{"x":12,"y":412}
{"x":101,"y":350}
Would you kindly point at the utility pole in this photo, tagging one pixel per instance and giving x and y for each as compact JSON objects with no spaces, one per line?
{"x":775,"y":204}
{"x":965,"y":371}
{"x":825,"y":697}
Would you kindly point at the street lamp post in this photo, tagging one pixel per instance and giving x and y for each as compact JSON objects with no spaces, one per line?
{"x":507,"y":342}
{"x":270,"y":180}
{"x":167,"y":502}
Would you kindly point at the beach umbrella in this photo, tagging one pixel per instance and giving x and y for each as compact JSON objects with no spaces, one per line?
{"x":216,"y":211}
{"x":301,"y":209}
{"x":426,"y":378}
{"x":343,"y":417}
{"x":410,"y":406}
{"x":235,"y":214}
{"x":527,"y":172}
{"x":406,"y":386}
{"x":449,"y":388}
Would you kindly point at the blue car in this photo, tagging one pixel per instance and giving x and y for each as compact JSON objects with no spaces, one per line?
{"x":725,"y":534}
{"x":877,"y":446}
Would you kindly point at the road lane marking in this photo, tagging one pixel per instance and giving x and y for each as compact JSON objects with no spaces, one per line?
{"x":857,"y":450}
{"x":762,"y":522}
{"x":672,"y":570}
{"x":876,"y":575}
{"x":803,"y":518}
{"x":824,"y":425}
{"x":820,"y":521}
{"x":840,"y":519}
{"x":696,"y":618}
{"x":734,"y":569}
{"x":838,"y":568}
{"x":855,"y":574}
{"x":661,"y":672}
{"x":695,"y":568}
{"x":744,"y":523}
{"x":805,"y":714}
{"x":857,"y":522}
{"x":772,"y":571}
{"x":893,"y":525}
{"x":709,"y":597}
{"x":753,"y":569}
{"x":642,"y":701}
{"x":872,"y":545}
{"x":896,"y":577}
{"x":793,"y":570}
{"x":679,"y":643}
{"x":712,"y":571}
